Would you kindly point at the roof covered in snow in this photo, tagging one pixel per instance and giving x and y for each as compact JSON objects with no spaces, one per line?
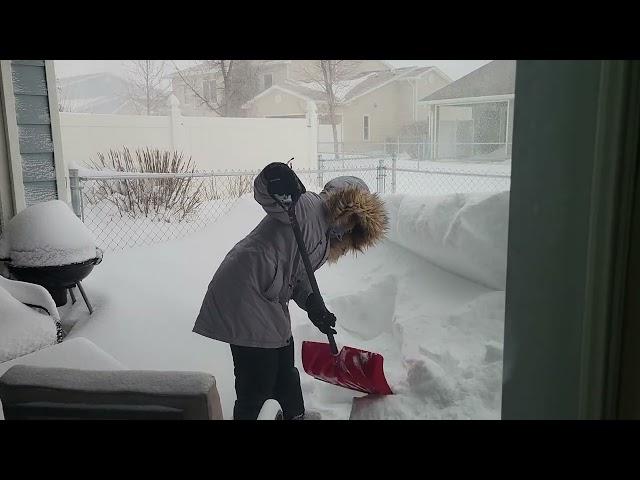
{"x":350,"y":88}
{"x":94,"y":93}
{"x":494,"y":78}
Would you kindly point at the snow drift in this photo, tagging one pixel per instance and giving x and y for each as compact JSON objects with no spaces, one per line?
{"x":465,"y":234}
{"x":46,"y":234}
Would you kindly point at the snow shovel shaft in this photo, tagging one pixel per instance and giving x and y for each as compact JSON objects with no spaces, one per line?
{"x":308,"y":268}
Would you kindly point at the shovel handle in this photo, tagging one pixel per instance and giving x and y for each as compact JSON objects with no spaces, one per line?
{"x":307,"y":265}
{"x":332,"y":344}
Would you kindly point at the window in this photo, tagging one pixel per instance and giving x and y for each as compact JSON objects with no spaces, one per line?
{"x":209,"y":90}
{"x":365,"y":128}
{"x":268,"y":80}
{"x":186,"y":95}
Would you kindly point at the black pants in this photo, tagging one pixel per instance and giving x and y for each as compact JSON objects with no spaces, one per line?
{"x":264,"y":373}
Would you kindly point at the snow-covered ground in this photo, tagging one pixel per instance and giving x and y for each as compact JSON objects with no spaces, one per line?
{"x":440,"y":333}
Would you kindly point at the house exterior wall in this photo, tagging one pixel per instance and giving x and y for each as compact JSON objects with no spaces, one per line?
{"x":6,"y":189}
{"x":31,"y":119}
{"x":382,"y":107}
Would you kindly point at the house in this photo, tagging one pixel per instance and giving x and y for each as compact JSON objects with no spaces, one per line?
{"x":95,"y":93}
{"x":472,"y":118}
{"x":373,"y":106}
{"x":199,"y":88}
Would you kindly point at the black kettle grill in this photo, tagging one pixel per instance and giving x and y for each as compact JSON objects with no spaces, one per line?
{"x":58,"y":279}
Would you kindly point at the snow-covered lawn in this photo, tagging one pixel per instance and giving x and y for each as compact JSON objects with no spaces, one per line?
{"x":440,"y":334}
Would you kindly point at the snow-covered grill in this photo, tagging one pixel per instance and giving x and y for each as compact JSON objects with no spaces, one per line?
{"x":48,"y":245}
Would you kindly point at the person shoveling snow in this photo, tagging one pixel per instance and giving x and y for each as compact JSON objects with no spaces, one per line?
{"x":246,"y":304}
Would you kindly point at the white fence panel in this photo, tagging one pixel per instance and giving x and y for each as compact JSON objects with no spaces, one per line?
{"x":214,"y":143}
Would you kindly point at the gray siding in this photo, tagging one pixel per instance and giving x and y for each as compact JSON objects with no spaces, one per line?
{"x":34,"y":130}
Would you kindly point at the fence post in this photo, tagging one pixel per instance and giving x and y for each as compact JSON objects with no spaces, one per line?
{"x":74,"y":188}
{"x":320,"y":167}
{"x":382,"y":173}
{"x":312,"y":125}
{"x":175,"y":123}
{"x":394,"y":160}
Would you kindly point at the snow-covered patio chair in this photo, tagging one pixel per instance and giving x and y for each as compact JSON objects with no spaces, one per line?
{"x":49,"y":378}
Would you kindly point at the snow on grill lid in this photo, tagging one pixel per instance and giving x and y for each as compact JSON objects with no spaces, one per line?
{"x":47,"y":234}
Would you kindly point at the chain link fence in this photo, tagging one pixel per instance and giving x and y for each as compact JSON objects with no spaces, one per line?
{"x":420,"y":150}
{"x":125,"y":210}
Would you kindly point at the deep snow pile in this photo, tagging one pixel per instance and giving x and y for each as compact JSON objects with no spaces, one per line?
{"x":440,"y":334}
{"x":47,"y":233}
{"x":463,"y":233}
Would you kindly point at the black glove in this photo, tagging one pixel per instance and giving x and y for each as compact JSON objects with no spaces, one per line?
{"x":281,"y":180}
{"x":322,"y":318}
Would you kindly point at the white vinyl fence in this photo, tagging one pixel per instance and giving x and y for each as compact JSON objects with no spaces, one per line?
{"x":214,"y":143}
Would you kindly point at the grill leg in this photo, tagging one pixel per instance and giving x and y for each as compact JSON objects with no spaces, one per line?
{"x":73,"y":297}
{"x":86,"y":300}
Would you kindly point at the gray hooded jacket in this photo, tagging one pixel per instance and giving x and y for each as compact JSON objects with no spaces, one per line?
{"x":246,"y":303}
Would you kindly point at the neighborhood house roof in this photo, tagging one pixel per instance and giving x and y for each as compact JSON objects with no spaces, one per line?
{"x":494,"y":78}
{"x":348,"y":89}
{"x":94,"y":93}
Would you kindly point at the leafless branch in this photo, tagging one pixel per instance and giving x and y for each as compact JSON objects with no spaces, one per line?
{"x":145,"y":84}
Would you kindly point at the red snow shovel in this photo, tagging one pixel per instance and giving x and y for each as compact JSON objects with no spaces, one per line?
{"x":350,"y":368}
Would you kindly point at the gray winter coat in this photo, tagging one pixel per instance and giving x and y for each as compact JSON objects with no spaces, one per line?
{"x":246,"y":303}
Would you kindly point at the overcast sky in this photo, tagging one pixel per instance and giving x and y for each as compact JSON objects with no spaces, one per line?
{"x":66,"y":68}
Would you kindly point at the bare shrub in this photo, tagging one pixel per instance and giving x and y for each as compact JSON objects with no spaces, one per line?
{"x":162,"y":199}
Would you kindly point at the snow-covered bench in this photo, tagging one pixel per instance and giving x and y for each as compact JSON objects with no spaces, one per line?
{"x":30,"y":392}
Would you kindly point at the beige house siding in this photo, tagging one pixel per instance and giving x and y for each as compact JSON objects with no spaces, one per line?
{"x":383,"y":109}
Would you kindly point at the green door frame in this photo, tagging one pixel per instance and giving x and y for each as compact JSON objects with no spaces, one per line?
{"x":575,"y":156}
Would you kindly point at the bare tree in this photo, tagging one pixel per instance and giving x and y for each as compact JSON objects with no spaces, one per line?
{"x":147,"y":85}
{"x":329,"y":76}
{"x":239,"y":84}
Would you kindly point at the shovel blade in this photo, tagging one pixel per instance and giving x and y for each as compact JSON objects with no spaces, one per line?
{"x":352,"y":368}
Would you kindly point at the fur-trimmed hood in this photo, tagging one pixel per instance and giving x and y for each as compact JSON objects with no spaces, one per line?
{"x":350,"y":205}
